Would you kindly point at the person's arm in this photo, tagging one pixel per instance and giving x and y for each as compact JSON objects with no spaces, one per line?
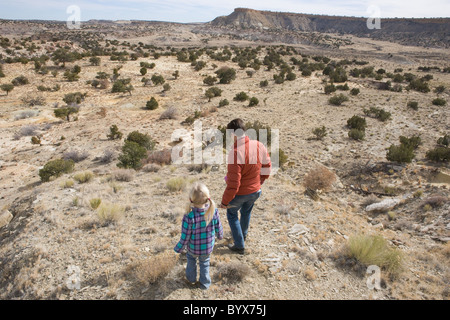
{"x":186,"y":230}
{"x":218,"y":226}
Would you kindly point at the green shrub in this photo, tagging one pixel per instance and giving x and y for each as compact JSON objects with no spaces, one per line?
{"x":320,"y":132}
{"x":413,"y":105}
{"x":132,"y":155}
{"x":213,"y":92}
{"x":7,"y":87}
{"x":264,"y":83}
{"x":253,"y":102}
{"x":444,"y":141}
{"x":338,"y":75}
{"x":74,"y":97}
{"x":438,"y":154}
{"x":356,"y":134}
{"x":20,"y":81}
{"x":114,"y":133}
{"x":291,"y":76}
{"x":144,"y":140}
{"x":357,"y":122}
{"x":412,"y":142}
{"x":157,"y":79}
{"x":210,"y":80}
{"x":56,"y":168}
{"x":401,"y":153}
{"x":66,"y":112}
{"x":337,"y":100}
{"x":226,"y":75}
{"x":378,"y":113}
{"x":439,"y":102}
{"x":241,"y":96}
{"x":152,"y":104}
{"x":354,"y":91}
{"x":122,"y":85}
{"x":223,"y":103}
{"x":329,"y":88}
{"x":419,"y":85}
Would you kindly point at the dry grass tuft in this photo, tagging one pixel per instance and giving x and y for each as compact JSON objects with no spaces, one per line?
{"x":151,"y":270}
{"x":232,"y":272}
{"x":176,"y":184}
{"x":374,"y":250}
{"x":83,"y":177}
{"x":110,"y":213}
{"x":161,"y":157}
{"x":319,"y":178}
{"x":123,"y":175}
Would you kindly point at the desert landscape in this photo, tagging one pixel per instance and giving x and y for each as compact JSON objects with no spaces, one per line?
{"x":91,"y":203}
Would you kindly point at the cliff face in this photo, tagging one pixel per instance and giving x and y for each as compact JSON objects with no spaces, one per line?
{"x":428,"y":32}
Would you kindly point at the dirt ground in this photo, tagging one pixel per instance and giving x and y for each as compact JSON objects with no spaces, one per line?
{"x":293,"y":242}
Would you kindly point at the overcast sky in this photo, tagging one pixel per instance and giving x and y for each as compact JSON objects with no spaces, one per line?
{"x":207,"y":10}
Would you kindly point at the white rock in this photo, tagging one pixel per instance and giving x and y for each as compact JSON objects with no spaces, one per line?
{"x":299,"y":228}
{"x":384,"y":205}
{"x":5,"y":218}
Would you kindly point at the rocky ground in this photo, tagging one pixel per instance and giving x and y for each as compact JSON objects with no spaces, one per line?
{"x":294,"y":245}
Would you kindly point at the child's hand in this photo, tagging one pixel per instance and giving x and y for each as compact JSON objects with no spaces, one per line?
{"x":223,"y":206}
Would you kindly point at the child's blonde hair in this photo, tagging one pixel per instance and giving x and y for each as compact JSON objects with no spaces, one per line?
{"x":199,"y":196}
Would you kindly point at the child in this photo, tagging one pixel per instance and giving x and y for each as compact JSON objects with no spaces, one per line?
{"x":200,"y":225}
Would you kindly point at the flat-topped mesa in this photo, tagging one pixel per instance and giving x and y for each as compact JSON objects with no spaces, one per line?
{"x":412,"y":31}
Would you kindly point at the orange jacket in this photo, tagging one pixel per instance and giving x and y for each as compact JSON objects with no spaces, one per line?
{"x":244,"y":174}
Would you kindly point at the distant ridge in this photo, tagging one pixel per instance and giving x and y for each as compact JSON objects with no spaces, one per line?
{"x":423,"y":31}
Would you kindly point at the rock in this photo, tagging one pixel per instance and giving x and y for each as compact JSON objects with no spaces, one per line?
{"x":5,"y":218}
{"x":384,"y":205}
{"x":299,"y":229}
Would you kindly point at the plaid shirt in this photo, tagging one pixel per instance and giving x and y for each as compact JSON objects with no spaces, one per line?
{"x":196,"y":236}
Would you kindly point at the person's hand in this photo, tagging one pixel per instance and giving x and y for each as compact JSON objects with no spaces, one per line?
{"x":223,"y":206}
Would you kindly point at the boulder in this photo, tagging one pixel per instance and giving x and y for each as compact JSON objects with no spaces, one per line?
{"x":5,"y":218}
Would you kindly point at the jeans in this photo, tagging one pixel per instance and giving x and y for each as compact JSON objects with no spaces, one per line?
{"x":191,"y":269}
{"x":239,"y":228}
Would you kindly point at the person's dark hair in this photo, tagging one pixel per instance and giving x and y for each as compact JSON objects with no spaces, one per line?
{"x":235,"y":125}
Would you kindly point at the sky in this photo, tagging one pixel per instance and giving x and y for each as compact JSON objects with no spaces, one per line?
{"x":185,"y":11}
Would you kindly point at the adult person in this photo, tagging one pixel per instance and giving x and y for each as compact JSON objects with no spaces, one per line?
{"x":248,"y":167}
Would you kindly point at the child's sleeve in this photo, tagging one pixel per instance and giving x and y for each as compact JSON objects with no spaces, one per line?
{"x":218,"y":225}
{"x":185,"y":234}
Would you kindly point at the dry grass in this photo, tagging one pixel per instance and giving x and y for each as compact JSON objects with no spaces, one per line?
{"x":83,"y":177}
{"x":176,"y":184}
{"x":110,"y":213}
{"x":125,"y":175}
{"x":95,"y":203}
{"x":161,"y":157}
{"x":319,"y":178}
{"x":374,"y":250}
{"x":151,"y":270}
{"x":232,"y":271}
{"x":310,"y":274}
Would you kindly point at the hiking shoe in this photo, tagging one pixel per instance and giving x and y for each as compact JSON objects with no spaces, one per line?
{"x":236,"y":249}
